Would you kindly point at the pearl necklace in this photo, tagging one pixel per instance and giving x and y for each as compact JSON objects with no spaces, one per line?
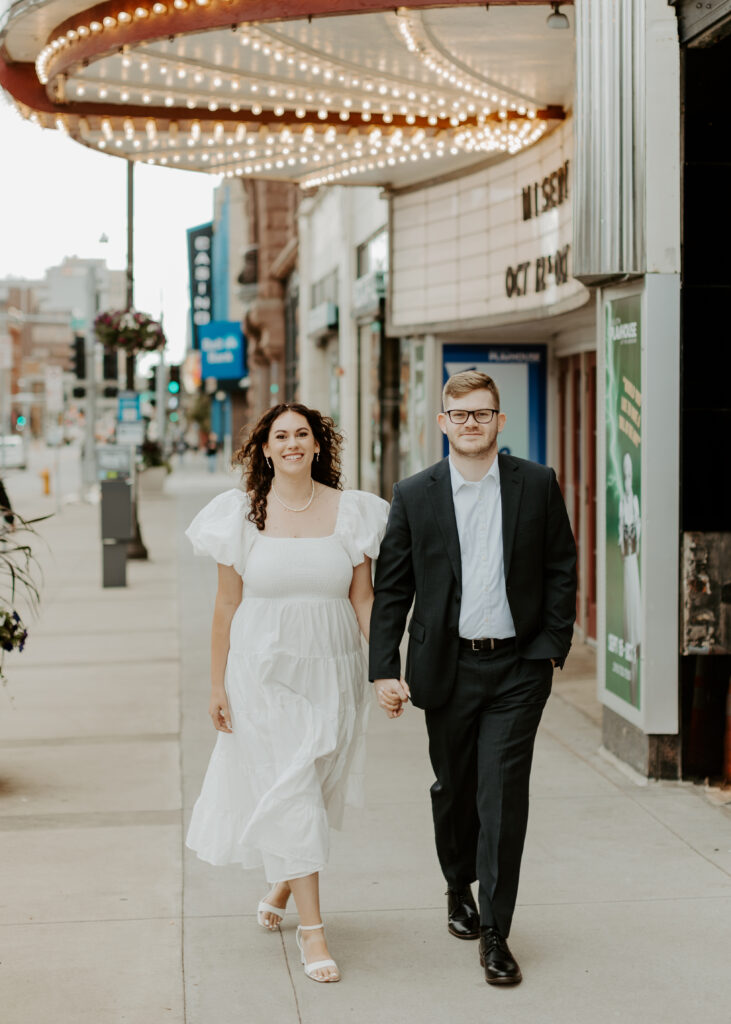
{"x":288,"y":508}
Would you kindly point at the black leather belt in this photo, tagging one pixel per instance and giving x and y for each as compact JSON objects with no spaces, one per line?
{"x":486,"y":643}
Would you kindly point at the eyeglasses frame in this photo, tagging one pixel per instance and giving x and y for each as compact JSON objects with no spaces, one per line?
{"x":473,"y":413}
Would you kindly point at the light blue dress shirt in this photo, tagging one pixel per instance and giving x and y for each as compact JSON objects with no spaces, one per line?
{"x":484,"y":611}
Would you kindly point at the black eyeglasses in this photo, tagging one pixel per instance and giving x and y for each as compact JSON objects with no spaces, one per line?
{"x":460,"y":416}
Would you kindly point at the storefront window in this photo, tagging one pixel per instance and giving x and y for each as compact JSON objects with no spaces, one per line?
{"x":373,"y":254}
{"x":333,"y":362}
{"x":412,"y":408}
{"x":325,"y":290}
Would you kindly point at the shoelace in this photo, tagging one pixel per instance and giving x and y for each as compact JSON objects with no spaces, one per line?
{"x":494,"y":940}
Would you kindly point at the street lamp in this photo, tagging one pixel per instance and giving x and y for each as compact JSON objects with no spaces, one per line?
{"x":556,"y":19}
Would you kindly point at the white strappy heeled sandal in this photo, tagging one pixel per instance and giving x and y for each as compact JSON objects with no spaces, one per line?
{"x":317,"y":965}
{"x":267,"y":908}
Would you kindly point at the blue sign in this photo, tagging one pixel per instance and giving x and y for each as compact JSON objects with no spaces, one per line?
{"x":223,"y":352}
{"x":129,"y":409}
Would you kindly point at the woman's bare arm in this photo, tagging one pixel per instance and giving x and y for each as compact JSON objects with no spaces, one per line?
{"x":228,"y":598}
{"x":361,"y":595}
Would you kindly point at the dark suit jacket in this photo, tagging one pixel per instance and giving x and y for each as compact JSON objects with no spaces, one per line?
{"x":420,"y":560}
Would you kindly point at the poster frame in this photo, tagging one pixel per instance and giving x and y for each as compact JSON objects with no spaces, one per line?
{"x":605,"y":297}
{"x":660,"y":550}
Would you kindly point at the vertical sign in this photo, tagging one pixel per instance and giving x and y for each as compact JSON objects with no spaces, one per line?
{"x":623,"y":497}
{"x":200,"y":266}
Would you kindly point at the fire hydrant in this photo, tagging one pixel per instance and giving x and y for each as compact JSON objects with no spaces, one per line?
{"x":46,"y":478}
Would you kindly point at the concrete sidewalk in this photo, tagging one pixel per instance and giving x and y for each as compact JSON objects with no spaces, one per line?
{"x":625,"y":902}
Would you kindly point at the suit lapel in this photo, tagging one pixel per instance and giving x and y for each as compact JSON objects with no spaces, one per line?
{"x":440,"y":495}
{"x":511,"y":488}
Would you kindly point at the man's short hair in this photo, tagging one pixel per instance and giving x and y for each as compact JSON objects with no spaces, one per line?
{"x":469,"y":380}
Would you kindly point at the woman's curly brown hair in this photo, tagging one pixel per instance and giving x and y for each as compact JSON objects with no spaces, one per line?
{"x":257,"y":474}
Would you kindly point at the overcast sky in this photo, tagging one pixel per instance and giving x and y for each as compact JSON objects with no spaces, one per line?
{"x":57,"y":198}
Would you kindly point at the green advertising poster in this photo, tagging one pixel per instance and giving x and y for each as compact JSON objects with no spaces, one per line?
{"x":624,"y":497}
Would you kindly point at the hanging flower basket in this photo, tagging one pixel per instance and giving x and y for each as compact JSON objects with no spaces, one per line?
{"x":129,"y":331}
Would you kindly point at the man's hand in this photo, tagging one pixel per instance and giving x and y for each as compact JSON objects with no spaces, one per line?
{"x":392,"y":694}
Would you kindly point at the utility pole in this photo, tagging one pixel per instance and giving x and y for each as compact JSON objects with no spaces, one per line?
{"x":136,"y":547}
{"x":130,"y":272}
{"x":89,"y":312}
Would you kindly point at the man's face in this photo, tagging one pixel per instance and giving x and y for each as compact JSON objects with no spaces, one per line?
{"x":472,"y":439}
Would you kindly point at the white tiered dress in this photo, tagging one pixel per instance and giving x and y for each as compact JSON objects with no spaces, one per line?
{"x":296,"y":680}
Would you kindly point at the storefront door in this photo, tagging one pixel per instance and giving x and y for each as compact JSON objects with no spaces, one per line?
{"x":577,"y":473}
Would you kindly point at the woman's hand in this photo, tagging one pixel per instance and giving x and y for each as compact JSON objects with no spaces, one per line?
{"x":391,"y":695}
{"x":228,"y":599}
{"x":219,"y":711}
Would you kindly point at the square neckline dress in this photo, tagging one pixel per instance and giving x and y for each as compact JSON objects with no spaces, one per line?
{"x":297,"y":684}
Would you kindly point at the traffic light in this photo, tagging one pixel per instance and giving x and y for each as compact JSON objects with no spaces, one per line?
{"x":174,"y":380}
{"x":110,"y":372}
{"x":78,"y":356}
{"x":78,"y":359}
{"x":20,"y":422}
{"x":152,"y":385}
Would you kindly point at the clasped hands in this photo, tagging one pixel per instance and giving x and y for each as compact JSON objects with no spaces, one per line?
{"x":391,"y":695}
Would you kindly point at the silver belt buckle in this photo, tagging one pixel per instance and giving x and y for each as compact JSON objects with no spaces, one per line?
{"x":475,"y":645}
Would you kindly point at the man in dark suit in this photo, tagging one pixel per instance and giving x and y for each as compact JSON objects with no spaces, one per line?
{"x":481,"y":543}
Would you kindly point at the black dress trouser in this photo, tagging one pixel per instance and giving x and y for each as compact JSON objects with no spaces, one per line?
{"x":481,"y":749}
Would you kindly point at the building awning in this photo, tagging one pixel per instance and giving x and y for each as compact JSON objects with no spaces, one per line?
{"x":310,"y":91}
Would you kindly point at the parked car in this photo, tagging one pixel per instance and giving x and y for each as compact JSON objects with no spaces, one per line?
{"x":12,"y":452}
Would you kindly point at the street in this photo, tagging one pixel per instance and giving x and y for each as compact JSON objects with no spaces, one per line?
{"x":624,"y":911}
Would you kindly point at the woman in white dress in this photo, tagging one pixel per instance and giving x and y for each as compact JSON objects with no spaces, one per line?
{"x":288,"y":674}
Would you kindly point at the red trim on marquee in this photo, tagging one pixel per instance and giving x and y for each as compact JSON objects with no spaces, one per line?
{"x":22,"y":82}
{"x":215,"y":15}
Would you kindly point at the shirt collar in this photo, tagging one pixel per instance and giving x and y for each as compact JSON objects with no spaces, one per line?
{"x":458,"y":481}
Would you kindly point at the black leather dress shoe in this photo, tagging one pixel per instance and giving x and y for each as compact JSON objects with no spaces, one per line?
{"x":463,"y":920}
{"x":501,"y":967}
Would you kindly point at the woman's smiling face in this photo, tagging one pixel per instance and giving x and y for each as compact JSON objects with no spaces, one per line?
{"x":291,"y":445}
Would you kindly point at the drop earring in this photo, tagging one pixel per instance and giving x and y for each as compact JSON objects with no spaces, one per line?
{"x":317,"y":456}
{"x":268,"y":462}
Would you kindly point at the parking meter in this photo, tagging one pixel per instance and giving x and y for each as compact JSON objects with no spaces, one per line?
{"x":115,"y":471}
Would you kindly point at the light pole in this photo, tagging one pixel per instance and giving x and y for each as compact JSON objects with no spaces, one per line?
{"x":130,"y":270}
{"x":136,"y":547}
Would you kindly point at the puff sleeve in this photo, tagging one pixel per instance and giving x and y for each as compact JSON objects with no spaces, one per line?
{"x":361,"y":524}
{"x":222,"y":530}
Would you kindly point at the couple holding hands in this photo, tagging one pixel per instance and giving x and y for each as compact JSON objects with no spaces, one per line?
{"x":481,"y":545}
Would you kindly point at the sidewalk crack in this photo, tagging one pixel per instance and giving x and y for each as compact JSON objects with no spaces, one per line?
{"x":291,"y":979}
